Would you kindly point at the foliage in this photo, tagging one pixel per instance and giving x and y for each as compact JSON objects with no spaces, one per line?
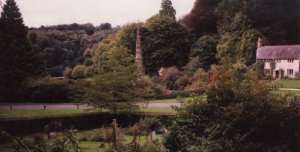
{"x":167,"y":9}
{"x":47,"y":89}
{"x":116,"y":84}
{"x":65,"y":142}
{"x":18,"y":59}
{"x":202,"y":20}
{"x":169,"y":76}
{"x":182,"y":82}
{"x":166,"y":44}
{"x":79,"y":71}
{"x":198,"y":82}
{"x":205,"y":50}
{"x":238,"y":112}
{"x":238,"y":41}
{"x":68,"y":45}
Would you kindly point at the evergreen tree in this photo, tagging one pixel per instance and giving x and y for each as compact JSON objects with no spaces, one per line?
{"x":18,"y":60}
{"x":167,"y":8}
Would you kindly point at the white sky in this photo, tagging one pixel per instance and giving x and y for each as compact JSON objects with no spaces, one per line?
{"x":117,"y":12}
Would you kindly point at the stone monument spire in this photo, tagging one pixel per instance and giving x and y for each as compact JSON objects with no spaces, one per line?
{"x":139,"y":53}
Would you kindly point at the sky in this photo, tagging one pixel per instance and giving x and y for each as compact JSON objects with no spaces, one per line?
{"x":117,"y":12}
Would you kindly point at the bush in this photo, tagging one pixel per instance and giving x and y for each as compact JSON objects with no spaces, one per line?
{"x":182,"y":82}
{"x":297,"y":76}
{"x":47,"y":89}
{"x":169,"y":76}
{"x":67,"y":73}
{"x":78,"y":71}
{"x":89,"y":71}
{"x":88,"y":62}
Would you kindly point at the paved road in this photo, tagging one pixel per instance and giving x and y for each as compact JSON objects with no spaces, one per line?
{"x":74,"y":106}
{"x":289,"y":89}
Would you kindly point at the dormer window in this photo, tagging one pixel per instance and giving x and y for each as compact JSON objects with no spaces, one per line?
{"x":290,"y":60}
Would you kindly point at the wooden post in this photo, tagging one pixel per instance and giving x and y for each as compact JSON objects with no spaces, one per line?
{"x":114,"y":126}
{"x":44,"y":107}
{"x":10,"y":107}
{"x":77,"y":106}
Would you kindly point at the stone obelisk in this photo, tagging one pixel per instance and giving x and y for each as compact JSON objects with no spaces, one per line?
{"x":139,"y":53}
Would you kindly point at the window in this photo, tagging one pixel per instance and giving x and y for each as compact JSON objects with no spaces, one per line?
{"x":290,"y":71}
{"x":277,"y":60}
{"x":290,"y":60}
{"x":267,"y":71}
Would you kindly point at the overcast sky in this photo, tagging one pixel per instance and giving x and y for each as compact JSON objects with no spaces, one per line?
{"x":116,"y":12}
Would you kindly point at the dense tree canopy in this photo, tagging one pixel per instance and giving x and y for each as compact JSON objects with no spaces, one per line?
{"x":202,"y":20}
{"x":166,"y":44}
{"x":18,"y":60}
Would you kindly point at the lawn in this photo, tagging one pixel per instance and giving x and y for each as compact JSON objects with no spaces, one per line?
{"x":40,"y":113}
{"x":62,"y":112}
{"x":297,"y":93}
{"x":288,"y":84}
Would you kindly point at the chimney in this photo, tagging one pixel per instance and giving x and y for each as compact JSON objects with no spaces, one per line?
{"x":259,"y":43}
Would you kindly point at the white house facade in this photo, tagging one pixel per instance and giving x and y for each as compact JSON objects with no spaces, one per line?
{"x":280,"y":61}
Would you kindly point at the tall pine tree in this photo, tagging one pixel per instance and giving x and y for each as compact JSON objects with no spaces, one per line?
{"x":18,"y":60}
{"x":167,"y":9}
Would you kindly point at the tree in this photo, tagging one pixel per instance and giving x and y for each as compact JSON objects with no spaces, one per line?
{"x":115,"y":84}
{"x":167,"y":9}
{"x":105,"y":26}
{"x":18,"y":60}
{"x":238,"y":40}
{"x":278,"y":20}
{"x":166,"y":43}
{"x":202,"y":20}
{"x":205,"y":50}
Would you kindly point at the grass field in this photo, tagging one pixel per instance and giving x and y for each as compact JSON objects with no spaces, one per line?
{"x":39,"y":113}
{"x":62,"y":112}
{"x":297,"y":93}
{"x":288,"y":84}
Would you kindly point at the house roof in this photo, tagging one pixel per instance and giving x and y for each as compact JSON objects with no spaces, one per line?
{"x":278,"y":52}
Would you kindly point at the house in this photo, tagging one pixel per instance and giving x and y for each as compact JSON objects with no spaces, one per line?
{"x":280,"y":61}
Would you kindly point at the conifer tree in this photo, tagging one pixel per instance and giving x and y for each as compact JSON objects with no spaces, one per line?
{"x":18,"y":60}
{"x":167,"y":8}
